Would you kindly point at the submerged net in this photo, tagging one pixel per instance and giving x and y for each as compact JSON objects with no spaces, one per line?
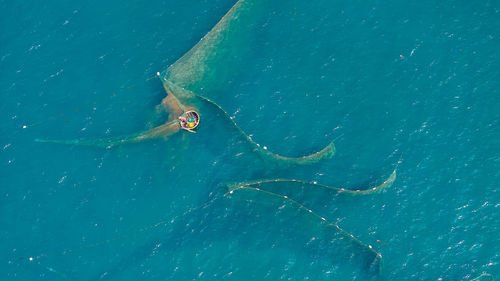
{"x":256,"y":184}
{"x":163,"y":131}
{"x":220,"y":52}
{"x":259,"y":186}
{"x":208,"y":65}
{"x":188,"y":97}
{"x":484,"y":277}
{"x":327,"y":152}
{"x":194,"y":79}
{"x":205,"y":223}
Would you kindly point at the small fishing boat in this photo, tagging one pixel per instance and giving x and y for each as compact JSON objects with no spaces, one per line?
{"x":189,"y":120}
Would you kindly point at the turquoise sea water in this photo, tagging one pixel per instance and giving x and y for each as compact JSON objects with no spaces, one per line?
{"x":390,"y":81}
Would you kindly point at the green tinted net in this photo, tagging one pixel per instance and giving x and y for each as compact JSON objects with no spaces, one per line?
{"x":213,"y":59}
{"x":484,"y":277}
{"x":188,"y":97}
{"x":259,"y":186}
{"x":220,"y":52}
{"x":326,"y":152}
{"x":164,"y":131}
{"x":209,"y":62}
{"x":258,"y":183}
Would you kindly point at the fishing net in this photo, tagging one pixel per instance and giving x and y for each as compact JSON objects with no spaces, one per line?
{"x":206,"y":68}
{"x":194,"y":82}
{"x":256,"y":185}
{"x":262,"y":234}
{"x":163,"y":131}
{"x":219,"y":53}
{"x":484,"y":277}
{"x":196,"y":77}
{"x":262,"y":187}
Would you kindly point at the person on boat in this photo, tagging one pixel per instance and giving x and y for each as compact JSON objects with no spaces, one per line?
{"x":183,"y":121}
